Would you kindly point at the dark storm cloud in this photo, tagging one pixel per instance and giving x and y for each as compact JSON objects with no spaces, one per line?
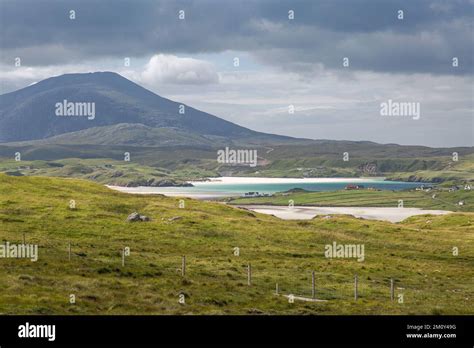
{"x":367,"y":32}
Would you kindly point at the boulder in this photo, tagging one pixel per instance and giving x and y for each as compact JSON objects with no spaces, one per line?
{"x":133,"y":217}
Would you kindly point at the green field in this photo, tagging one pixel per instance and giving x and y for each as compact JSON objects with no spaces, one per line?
{"x":417,"y":254}
{"x":443,"y":200}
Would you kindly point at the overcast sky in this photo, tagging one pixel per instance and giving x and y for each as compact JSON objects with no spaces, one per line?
{"x":283,"y":61}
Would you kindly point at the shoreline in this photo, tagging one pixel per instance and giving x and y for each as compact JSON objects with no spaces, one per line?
{"x":224,"y":187}
{"x":389,"y":214}
{"x":165,"y":191}
{"x":268,"y":180}
{"x":261,"y":180}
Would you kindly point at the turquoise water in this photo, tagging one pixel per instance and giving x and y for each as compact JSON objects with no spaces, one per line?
{"x":211,"y":190}
{"x":279,"y":187}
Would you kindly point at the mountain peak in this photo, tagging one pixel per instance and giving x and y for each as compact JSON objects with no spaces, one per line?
{"x":30,"y":113}
{"x":90,"y":77}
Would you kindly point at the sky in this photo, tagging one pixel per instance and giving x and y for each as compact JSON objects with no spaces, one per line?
{"x":307,"y":68}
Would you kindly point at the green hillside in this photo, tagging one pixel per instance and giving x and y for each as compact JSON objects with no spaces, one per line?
{"x":105,"y":164}
{"x":127,"y":134}
{"x":417,"y":254}
{"x":444,"y":199}
{"x":106,"y":171}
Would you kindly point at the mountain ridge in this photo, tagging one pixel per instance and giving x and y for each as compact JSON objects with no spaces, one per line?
{"x":29,"y":113}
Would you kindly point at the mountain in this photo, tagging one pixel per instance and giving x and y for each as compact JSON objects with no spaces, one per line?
{"x":30,"y":114}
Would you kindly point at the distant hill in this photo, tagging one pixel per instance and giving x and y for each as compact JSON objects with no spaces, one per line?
{"x":30,"y":114}
{"x":135,"y":134}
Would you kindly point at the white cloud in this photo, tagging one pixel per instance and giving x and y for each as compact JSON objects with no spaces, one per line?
{"x":160,"y":70}
{"x":13,"y":78}
{"x":176,"y":70}
{"x":338,"y":106}
{"x":329,"y":104}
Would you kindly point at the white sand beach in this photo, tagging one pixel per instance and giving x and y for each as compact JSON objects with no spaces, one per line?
{"x":171,"y":192}
{"x":371,"y":213}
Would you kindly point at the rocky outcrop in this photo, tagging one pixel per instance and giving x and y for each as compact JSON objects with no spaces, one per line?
{"x":133,"y":217}
{"x":152,"y":182}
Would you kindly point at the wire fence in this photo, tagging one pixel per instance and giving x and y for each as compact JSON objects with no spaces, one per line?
{"x":302,"y":283}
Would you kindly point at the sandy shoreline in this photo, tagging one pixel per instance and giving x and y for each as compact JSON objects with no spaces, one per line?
{"x":168,"y":191}
{"x":370,"y":213}
{"x":392,"y":214}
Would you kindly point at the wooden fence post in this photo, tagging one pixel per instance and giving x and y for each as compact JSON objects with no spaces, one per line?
{"x":392,"y":289}
{"x":183,"y":266}
{"x":355,"y":287}
{"x":69,"y":251}
{"x":313,"y":286}
{"x":249,"y":275}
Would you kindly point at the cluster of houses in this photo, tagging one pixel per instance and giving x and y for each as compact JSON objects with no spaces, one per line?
{"x":255,"y":194}
{"x":353,"y":187}
{"x":360,"y":187}
{"x":423,"y":188}
{"x":454,"y":188}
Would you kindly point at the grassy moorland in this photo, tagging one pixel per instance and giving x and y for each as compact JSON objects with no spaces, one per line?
{"x":105,"y":171}
{"x":417,"y":253}
{"x":461,"y":171}
{"x":424,"y":164}
{"x":105,"y":163}
{"x":444,"y":199}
